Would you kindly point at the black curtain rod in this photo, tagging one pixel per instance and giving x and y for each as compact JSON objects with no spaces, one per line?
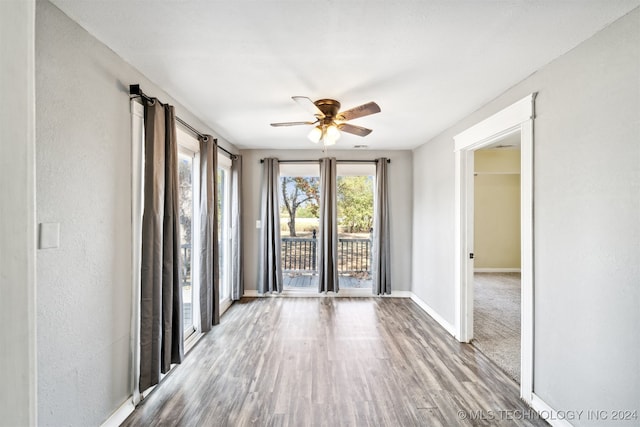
{"x":136,"y":91}
{"x":337,"y":161}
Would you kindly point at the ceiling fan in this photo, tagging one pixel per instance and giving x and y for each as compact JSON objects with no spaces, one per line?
{"x":330,"y":121}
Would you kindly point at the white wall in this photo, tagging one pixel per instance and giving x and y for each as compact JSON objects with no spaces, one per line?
{"x":586,"y":221}
{"x":399,"y":204}
{"x":83,"y":162}
{"x":17,"y":214}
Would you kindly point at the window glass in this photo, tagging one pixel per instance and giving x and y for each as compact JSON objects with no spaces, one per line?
{"x":299,"y":224}
{"x":185,"y":206}
{"x":355,"y":192}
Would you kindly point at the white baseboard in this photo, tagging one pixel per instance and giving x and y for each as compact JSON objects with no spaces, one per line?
{"x":311,"y":293}
{"x":120,"y":414}
{"x":434,"y":315}
{"x":550,"y":415}
{"x":496,"y":270}
{"x":399,"y":294}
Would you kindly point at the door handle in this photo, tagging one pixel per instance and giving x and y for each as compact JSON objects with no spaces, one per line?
{"x":471,"y":256}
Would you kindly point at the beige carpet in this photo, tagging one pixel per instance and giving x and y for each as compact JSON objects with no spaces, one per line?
{"x":496,"y":314}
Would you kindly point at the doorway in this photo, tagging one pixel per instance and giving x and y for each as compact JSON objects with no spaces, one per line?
{"x":515,"y":119}
{"x":496,"y":235}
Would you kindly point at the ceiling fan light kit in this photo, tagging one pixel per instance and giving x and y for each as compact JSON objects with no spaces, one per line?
{"x":329,"y":121}
{"x":328,"y":134}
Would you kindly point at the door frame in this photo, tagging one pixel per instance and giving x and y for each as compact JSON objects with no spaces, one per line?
{"x":518,"y":117}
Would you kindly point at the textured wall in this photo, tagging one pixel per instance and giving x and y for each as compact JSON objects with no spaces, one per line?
{"x":83,"y":144}
{"x":17,"y":215}
{"x":433,"y":227}
{"x":399,"y":203}
{"x":586,"y":221}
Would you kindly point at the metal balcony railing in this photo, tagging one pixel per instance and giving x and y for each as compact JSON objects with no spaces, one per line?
{"x":300,"y":255}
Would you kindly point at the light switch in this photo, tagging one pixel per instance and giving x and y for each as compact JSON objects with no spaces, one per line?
{"x":258,"y":224}
{"x":49,"y":235}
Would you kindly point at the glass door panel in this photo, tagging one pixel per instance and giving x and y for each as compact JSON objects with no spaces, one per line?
{"x":355,"y":225}
{"x":185,"y":185}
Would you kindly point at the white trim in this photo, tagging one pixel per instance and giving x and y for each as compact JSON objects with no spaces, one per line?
{"x":398,"y":294}
{"x":191,"y":341}
{"x":547,"y":413}
{"x":496,"y":270}
{"x":19,"y":214}
{"x":526,"y":260}
{"x":120,"y":414}
{"x":224,"y":163}
{"x":186,"y":139}
{"x":433,"y":314}
{"x":516,"y":118}
{"x":189,"y":146}
{"x":137,"y":192}
{"x":195,"y":260}
{"x":495,"y":125}
{"x":224,"y":305}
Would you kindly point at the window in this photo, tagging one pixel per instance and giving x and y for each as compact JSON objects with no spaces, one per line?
{"x":224,"y":230}
{"x":188,"y":189}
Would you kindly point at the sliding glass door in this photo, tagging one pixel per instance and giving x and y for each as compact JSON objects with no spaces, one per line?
{"x":355,"y":192}
{"x":299,"y":223}
{"x":224,"y":230}
{"x":186,"y":180}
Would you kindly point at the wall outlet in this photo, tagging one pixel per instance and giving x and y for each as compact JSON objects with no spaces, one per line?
{"x":258,"y":224}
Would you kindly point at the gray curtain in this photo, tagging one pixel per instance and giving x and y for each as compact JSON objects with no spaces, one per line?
{"x":328,"y":236}
{"x":381,"y":264}
{"x":237,"y":278}
{"x":270,"y":257}
{"x":209,"y":249}
{"x":161,"y":332}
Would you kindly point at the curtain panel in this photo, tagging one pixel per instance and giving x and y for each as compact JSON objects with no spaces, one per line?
{"x":161,"y":331}
{"x":209,"y":294}
{"x":328,"y":233}
{"x":270,"y":257}
{"x":381,"y":265}
{"x":237,"y":275}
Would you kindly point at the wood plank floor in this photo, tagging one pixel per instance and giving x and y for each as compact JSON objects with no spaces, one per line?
{"x":332,"y":362}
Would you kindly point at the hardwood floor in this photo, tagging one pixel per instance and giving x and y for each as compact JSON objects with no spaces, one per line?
{"x":332,"y":362}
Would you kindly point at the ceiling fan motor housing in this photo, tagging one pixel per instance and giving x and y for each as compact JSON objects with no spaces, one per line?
{"x":329,"y":107}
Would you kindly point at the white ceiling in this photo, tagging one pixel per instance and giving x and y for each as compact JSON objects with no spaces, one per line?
{"x":236,"y":63}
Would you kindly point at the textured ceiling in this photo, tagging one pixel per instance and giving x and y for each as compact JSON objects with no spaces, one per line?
{"x":236,"y":63}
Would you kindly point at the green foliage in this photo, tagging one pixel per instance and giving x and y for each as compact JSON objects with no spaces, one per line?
{"x":308,"y":211}
{"x":355,"y":203}
{"x":299,"y":193}
{"x":300,"y":199}
{"x":185,"y":200}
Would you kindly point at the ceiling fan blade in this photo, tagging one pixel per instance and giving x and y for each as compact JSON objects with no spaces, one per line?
{"x":308,"y":105}
{"x":356,"y":130}
{"x":291,"y":124}
{"x":360,"y":111}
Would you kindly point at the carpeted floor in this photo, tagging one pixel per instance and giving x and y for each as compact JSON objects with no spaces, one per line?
{"x":496,"y":324}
